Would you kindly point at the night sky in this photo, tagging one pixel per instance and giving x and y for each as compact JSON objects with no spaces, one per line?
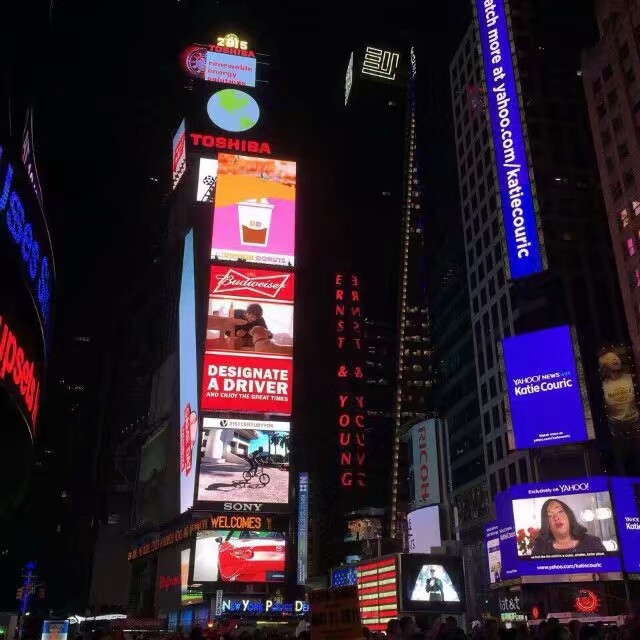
{"x":106,"y":86}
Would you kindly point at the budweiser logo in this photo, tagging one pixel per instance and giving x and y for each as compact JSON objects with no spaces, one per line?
{"x":167,"y":582}
{"x":266,"y":286}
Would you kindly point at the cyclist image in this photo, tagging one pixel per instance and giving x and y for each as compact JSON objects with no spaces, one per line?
{"x":255,"y":460}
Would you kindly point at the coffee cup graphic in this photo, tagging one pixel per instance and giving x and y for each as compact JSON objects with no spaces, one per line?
{"x":254,"y":220}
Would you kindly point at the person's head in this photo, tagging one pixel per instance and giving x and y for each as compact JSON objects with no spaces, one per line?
{"x":559,"y":521}
{"x":451,"y":623}
{"x":408,"y":625}
{"x":588,"y":632}
{"x":574,"y":628}
{"x":253,"y":312}
{"x":432,"y":572}
{"x":365,"y":632}
{"x":610,"y":362}
{"x":393,"y":627}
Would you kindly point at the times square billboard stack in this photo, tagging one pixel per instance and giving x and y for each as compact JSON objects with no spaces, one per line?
{"x":574,"y":524}
{"x":233,"y":217}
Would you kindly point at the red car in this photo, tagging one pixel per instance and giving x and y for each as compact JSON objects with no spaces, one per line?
{"x":247,"y":556}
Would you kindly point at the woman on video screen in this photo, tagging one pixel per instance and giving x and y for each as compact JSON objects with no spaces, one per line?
{"x":561,"y":533}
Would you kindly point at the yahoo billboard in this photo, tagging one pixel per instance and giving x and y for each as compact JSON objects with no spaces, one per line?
{"x":526,"y":256}
{"x":547,"y":401}
{"x":626,"y":495}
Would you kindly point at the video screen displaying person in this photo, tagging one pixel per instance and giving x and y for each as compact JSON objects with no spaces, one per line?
{"x":579,"y":525}
{"x":618,"y":386}
{"x":434,"y":584}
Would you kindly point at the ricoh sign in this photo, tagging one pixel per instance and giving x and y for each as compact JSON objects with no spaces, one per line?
{"x":425,"y":464}
{"x":524,"y":246}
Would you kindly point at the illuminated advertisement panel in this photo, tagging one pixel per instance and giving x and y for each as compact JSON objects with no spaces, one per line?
{"x":423,"y":527}
{"x":620,"y":390}
{"x":233,"y":110}
{"x":188,"y":417}
{"x":229,"y":69}
{"x":188,"y":594}
{"x":377,"y":592}
{"x":364,"y":528}
{"x":244,"y":465}
{"x":492,"y":547}
{"x":207,"y":172}
{"x":425,"y":474}
{"x":506,"y":536}
{"x":179,"y":164}
{"x":519,"y":215}
{"x":547,"y":398}
{"x":626,"y":496}
{"x":343,"y":577}
{"x":431,"y":583}
{"x":255,"y":207}
{"x":303,"y":527}
{"x":239,"y":556}
{"x":564,"y":527}
{"x":249,"y":341}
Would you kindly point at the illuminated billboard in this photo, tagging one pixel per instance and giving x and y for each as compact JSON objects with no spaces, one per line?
{"x":188,"y":594}
{"x":363,"y":528}
{"x":255,"y":207}
{"x":233,"y":110}
{"x":249,"y":341}
{"x":378,"y":592}
{"x":431,"y":582}
{"x":423,"y":528}
{"x":207,"y":172}
{"x":188,"y":415}
{"x":560,"y":527}
{"x":424,"y":467}
{"x":626,"y":497}
{"x":492,"y":548}
{"x":519,"y":216}
{"x":547,"y":398}
{"x":244,"y":465}
{"x":230,"y":69}
{"x":239,"y":556}
{"x":303,"y":528}
{"x":179,"y":164}
{"x":620,"y":390}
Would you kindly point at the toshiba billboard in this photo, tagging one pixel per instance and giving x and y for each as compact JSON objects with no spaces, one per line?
{"x":248,"y":362}
{"x":424,"y":466}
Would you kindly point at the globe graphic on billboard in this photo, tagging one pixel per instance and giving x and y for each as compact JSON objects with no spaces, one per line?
{"x":233,"y":110}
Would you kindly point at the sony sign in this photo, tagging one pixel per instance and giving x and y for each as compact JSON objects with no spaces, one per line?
{"x":242,"y":506}
{"x":426,"y":472}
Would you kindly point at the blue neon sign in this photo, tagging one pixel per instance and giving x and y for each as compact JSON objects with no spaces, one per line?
{"x":19,"y":226}
{"x":512,"y":165}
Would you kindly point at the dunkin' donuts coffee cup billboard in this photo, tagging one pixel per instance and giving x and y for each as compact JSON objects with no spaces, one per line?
{"x":255,"y":207}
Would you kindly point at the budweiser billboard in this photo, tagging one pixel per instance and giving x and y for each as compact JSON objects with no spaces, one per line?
{"x":249,"y":341}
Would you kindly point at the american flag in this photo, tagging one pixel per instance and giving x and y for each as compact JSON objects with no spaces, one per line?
{"x":378,"y":592}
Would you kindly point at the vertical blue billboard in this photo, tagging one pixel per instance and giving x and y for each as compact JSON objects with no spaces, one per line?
{"x":626,"y":496}
{"x":492,"y":549}
{"x":506,"y":537}
{"x":519,"y":217}
{"x":547,"y":399}
{"x":303,"y":526}
{"x":188,"y":413}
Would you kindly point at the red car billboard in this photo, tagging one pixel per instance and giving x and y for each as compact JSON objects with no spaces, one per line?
{"x":249,"y":342}
{"x":239,"y":556}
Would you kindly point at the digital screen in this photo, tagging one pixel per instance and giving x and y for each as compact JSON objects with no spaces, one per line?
{"x":255,"y":210}
{"x":343,"y":577}
{"x":506,"y":536}
{"x":377,"y":592}
{"x":179,"y":154}
{"x":303,"y":527}
{"x":249,"y":341}
{"x":512,"y":164}
{"x":423,"y":527}
{"x":564,"y":527}
{"x":547,"y":404}
{"x":233,"y":110}
{"x":619,"y":390}
{"x":244,"y":462}
{"x":230,"y":69}
{"x":432,"y":582}
{"x":207,"y":172}
{"x":492,"y":547}
{"x":55,"y":629}
{"x":363,"y":529}
{"x":626,"y":496}
{"x":239,"y":556}
{"x":188,"y":417}
{"x":188,"y":594}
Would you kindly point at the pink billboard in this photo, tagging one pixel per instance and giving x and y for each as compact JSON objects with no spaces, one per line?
{"x":255,"y":208}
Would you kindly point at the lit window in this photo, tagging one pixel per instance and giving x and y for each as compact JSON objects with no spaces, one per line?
{"x":623,"y":218}
{"x":631,"y":247}
{"x":636,"y":208}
